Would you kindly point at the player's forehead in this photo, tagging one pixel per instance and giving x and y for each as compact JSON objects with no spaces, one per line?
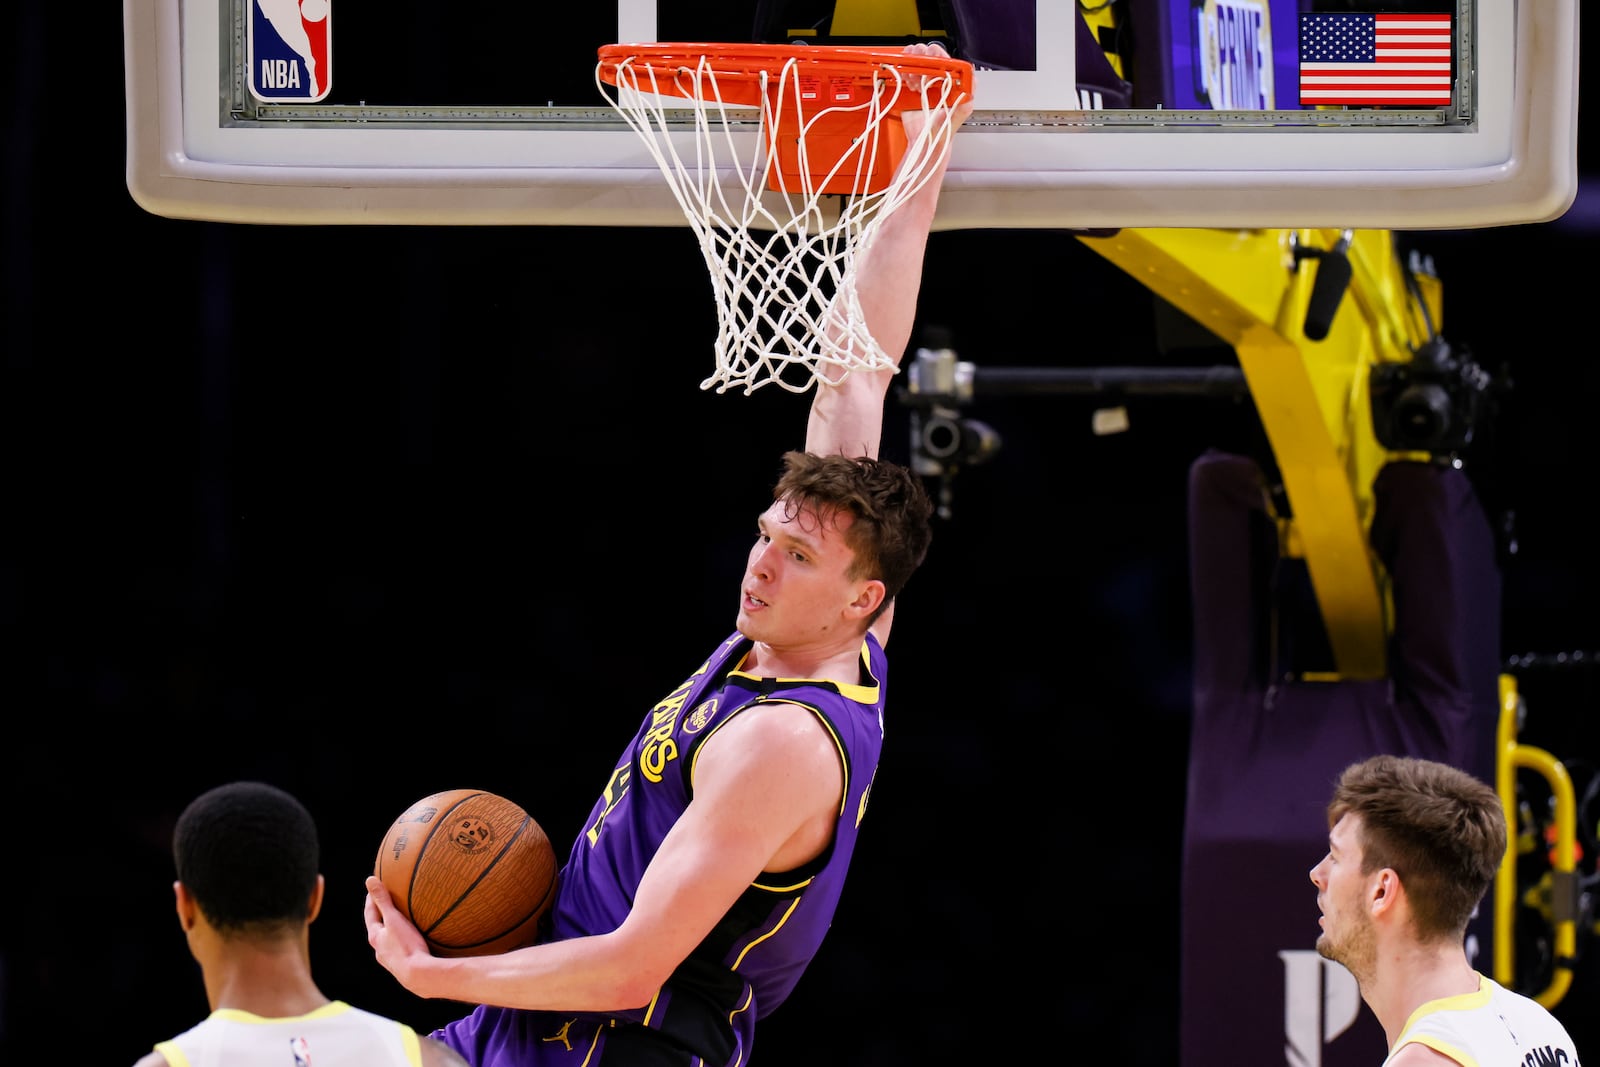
{"x":1344,"y":838}
{"x":805,"y":521}
{"x":800,"y":517}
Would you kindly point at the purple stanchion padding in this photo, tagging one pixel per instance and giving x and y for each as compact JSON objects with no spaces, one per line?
{"x":1265,"y":750}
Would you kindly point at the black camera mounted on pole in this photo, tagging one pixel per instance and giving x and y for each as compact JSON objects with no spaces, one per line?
{"x":939,"y":385}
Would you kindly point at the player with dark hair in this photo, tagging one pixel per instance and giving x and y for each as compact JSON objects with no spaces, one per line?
{"x":707,"y":873}
{"x":1412,"y":849}
{"x":247,"y":892}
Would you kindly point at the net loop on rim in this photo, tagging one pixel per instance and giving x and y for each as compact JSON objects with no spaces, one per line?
{"x":789,"y":159}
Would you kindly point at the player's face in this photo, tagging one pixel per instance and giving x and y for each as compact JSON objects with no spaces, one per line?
{"x":796,"y":590}
{"x":1347,"y":934}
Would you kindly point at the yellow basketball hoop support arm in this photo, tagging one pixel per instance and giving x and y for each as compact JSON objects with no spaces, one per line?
{"x":1251,"y":289}
{"x":1511,"y":757}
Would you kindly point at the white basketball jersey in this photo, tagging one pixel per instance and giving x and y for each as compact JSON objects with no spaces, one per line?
{"x":335,"y":1035}
{"x":1493,"y":1027}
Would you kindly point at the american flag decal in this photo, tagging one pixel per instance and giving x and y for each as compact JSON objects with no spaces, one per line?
{"x":1397,"y":59}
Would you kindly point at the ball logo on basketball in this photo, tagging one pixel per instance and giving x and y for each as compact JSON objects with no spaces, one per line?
{"x":471,"y":870}
{"x":473,"y":834}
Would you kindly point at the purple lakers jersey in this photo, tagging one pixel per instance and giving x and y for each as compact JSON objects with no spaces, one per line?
{"x":706,"y":1012}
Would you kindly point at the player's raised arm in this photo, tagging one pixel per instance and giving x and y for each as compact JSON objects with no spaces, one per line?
{"x":848,"y":417}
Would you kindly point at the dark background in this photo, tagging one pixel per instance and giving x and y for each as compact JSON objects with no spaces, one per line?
{"x":373,"y":512}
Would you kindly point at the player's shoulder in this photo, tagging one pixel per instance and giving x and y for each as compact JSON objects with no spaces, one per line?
{"x":773,"y":727}
{"x":438,"y":1054}
{"x":431,"y":1052}
{"x":772,"y":739}
{"x":1419,"y":1054}
{"x":152,"y":1059}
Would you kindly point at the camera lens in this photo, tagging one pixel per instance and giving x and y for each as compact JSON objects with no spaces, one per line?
{"x":941,"y":437}
{"x":1421,"y":416}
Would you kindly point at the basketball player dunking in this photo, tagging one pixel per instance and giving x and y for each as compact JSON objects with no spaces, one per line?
{"x":708,"y":871}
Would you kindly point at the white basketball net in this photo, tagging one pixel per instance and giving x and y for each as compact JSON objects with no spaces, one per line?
{"x":782,"y":269}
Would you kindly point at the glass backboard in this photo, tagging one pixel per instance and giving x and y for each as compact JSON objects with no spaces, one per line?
{"x":1133,"y":113}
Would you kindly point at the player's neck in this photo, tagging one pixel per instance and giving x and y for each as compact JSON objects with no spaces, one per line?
{"x":837,"y":662}
{"x":1414,"y":975}
{"x":272,"y":981}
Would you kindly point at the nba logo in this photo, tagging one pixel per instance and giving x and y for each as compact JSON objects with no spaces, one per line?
{"x":290,"y":50}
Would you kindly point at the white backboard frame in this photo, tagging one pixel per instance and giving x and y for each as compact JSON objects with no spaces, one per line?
{"x":1019,"y":163}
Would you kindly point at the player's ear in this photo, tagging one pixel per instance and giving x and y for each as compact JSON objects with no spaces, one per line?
{"x":868,"y":598}
{"x":1384,"y":893}
{"x":185,"y":906}
{"x":314,"y":907}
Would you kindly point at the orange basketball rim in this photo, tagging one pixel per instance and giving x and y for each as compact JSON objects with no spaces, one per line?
{"x":831,"y":113}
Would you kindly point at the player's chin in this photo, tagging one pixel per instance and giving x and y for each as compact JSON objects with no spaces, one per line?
{"x":752,"y":620}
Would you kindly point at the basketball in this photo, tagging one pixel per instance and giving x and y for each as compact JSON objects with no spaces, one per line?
{"x":472,"y":870}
